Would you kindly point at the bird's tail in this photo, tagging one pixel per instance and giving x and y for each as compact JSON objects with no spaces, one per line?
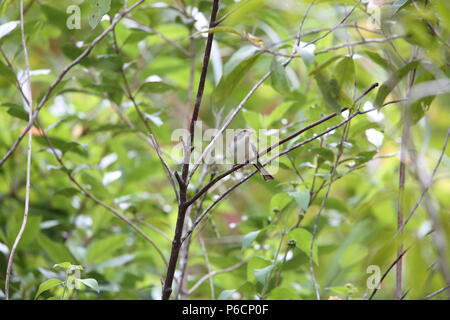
{"x":266,"y":175}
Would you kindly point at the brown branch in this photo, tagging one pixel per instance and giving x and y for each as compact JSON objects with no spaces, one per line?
{"x":399,"y":257}
{"x":182,"y":207}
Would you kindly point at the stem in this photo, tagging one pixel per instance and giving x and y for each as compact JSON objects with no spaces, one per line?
{"x":183,"y":206}
{"x":29,"y":102}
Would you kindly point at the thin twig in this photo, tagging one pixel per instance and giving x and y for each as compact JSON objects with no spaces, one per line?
{"x":214,"y":273}
{"x":433,"y":294}
{"x":399,"y":257}
{"x":322,"y":207}
{"x":26,"y":82}
{"x":428,"y":186}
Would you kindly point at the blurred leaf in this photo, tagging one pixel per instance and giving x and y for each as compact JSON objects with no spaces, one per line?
{"x":47,"y":285}
{"x":226,"y":294}
{"x":302,"y":197}
{"x":100,"y":8}
{"x":55,"y":250}
{"x":6,"y":73}
{"x":303,"y":240}
{"x":279,"y":78}
{"x":392,"y":82}
{"x":249,"y":238}
{"x":234,"y":70}
{"x":91,"y":283}
{"x":279,"y":201}
{"x":104,"y":249}
{"x":277,"y":114}
{"x":8,"y":27}
{"x":263,"y":274}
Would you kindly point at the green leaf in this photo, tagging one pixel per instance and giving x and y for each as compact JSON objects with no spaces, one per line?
{"x":375,"y":57}
{"x":354,"y":254}
{"x":54,"y":16}
{"x":8,"y":27}
{"x":279,"y":78}
{"x":63,"y":265}
{"x":330,"y":91}
{"x":398,"y":4}
{"x":262,"y":275}
{"x":302,"y":197}
{"x":7,"y":73}
{"x":32,"y":230}
{"x":104,"y":249}
{"x":155,"y":84}
{"x":282,"y":294}
{"x":303,"y":240}
{"x":63,"y":146}
{"x":226,"y":294}
{"x":253,"y":119}
{"x":324,"y":65}
{"x":249,"y":238}
{"x":18,"y":113}
{"x":67,"y":192}
{"x":345,"y":74}
{"x":101,"y":7}
{"x":56,"y":251}
{"x":234,"y":70}
{"x":91,"y":283}
{"x":392,"y":82}
{"x":47,"y":285}
{"x":278,"y":113}
{"x":323,"y":155}
{"x":279,"y":201}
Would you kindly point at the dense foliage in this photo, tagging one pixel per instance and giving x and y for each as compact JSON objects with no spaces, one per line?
{"x":102,"y":209}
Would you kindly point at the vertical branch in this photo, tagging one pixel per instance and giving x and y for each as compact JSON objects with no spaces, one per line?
{"x":401,"y":194}
{"x":183,"y":183}
{"x":28,"y":100}
{"x":405,"y":141}
{"x":322,"y":207}
{"x":201,"y":86}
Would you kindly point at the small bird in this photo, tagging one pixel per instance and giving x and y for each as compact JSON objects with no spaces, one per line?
{"x":242,"y":149}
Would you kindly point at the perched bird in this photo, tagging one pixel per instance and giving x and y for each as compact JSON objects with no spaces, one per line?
{"x":243,"y":149}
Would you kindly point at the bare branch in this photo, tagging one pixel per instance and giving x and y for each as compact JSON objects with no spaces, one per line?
{"x":428,"y":186}
{"x":399,"y":257}
{"x":25,"y":84}
{"x":214,"y":273}
{"x":433,"y":294}
{"x":182,"y":207}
